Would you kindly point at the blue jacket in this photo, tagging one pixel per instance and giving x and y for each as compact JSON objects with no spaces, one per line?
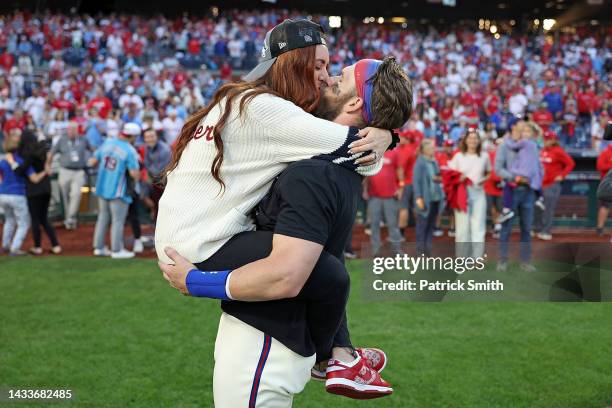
{"x":422,"y":183}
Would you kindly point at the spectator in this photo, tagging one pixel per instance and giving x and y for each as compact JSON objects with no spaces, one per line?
{"x":557,"y":165}
{"x":38,"y":190}
{"x":383,"y":191}
{"x":73,"y":150}
{"x":95,"y":129}
{"x":523,"y":199}
{"x":172,"y":126}
{"x":157,"y":157}
{"x":604,"y":165}
{"x":13,"y":196}
{"x":406,"y":156}
{"x":116,"y":160}
{"x":470,"y":225}
{"x":427,"y":195}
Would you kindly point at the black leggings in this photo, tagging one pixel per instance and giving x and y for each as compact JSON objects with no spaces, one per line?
{"x":132,"y":217}
{"x":321,"y":303}
{"x":39,"y":209}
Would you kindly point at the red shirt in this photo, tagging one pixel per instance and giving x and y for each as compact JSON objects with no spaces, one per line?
{"x":6,"y":61}
{"x":543,"y":118}
{"x":556,"y":162}
{"x":385,"y":183}
{"x":103,"y":105}
{"x":586,"y":102}
{"x":491,"y":104}
{"x":604,"y":161}
{"x":491,"y":184}
{"x":406,"y":157}
{"x":14,"y":123}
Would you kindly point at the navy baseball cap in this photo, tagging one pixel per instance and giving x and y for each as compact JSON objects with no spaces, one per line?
{"x":286,"y":36}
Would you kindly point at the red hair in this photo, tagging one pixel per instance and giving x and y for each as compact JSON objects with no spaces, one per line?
{"x":290,"y":77}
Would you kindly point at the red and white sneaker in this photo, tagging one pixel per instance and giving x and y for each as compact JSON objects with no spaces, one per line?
{"x":317,"y":375}
{"x":355,"y":380}
{"x":376,"y":358}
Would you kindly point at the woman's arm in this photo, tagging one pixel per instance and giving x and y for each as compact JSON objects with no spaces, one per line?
{"x":294,"y":135}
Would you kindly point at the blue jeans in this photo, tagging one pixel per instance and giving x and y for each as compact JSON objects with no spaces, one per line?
{"x":522,"y":204}
{"x":425,"y":225}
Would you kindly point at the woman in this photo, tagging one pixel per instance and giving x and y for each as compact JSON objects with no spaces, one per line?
{"x":228,"y":153}
{"x":557,"y":165}
{"x":427,"y":195}
{"x":13,"y":196}
{"x":34,"y":154}
{"x":474,"y":165}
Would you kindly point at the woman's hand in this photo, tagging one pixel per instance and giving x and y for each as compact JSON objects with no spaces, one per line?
{"x":372,"y":139}
{"x":420,"y":203}
{"x":176,"y":274}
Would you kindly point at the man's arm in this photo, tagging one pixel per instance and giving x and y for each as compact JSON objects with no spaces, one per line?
{"x":280,"y":275}
{"x":307,"y":211}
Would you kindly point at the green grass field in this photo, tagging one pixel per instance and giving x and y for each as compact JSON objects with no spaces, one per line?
{"x":116,"y":335}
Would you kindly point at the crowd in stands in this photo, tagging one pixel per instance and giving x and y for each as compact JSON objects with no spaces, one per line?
{"x":75,"y":81}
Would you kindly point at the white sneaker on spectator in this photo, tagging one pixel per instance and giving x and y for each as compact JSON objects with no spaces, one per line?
{"x":138,"y":246}
{"x":102,"y":252}
{"x":544,"y":236}
{"x":123,"y":254}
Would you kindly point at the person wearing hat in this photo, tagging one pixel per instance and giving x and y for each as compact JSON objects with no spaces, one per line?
{"x":311,"y":207}
{"x":73,"y":151}
{"x":116,"y":160}
{"x":557,"y":165}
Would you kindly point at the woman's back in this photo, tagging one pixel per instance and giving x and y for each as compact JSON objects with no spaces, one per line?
{"x":195,"y":216}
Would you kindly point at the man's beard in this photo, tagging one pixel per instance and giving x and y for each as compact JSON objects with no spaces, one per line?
{"x":330,"y":105}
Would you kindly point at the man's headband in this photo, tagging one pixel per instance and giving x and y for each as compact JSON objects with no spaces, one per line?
{"x":364,"y":70}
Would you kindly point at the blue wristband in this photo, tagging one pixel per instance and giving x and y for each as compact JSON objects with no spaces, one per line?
{"x":207,"y":284}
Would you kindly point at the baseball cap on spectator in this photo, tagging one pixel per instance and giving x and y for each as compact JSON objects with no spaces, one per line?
{"x":449,"y":143}
{"x":130,"y":129}
{"x":288,"y":35}
{"x":129,"y":89}
{"x":549,"y":135}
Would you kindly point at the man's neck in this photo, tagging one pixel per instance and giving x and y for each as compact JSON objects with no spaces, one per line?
{"x":348,"y":119}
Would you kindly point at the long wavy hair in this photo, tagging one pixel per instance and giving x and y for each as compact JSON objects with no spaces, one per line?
{"x":290,"y":77}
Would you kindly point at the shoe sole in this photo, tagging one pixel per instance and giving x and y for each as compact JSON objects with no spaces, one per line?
{"x":353,"y":390}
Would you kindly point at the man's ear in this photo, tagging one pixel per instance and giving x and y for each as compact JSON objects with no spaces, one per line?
{"x":354,"y":104}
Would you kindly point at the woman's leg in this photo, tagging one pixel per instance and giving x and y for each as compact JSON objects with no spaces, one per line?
{"x":44,"y":219}
{"x":34,"y":207}
{"x":10,"y":223}
{"x":133,"y":218}
{"x":321,"y":302}
{"x":22,"y":216}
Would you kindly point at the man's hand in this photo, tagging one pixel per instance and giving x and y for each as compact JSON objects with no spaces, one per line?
{"x":176,"y":274}
{"x":399,"y":193}
{"x":559,"y":178}
{"x":374,"y":139}
{"x":420,"y":203}
{"x":92,"y":162}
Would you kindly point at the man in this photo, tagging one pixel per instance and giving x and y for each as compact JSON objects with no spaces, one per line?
{"x":74,"y":151}
{"x":172,"y":126}
{"x":157,"y":156}
{"x":383,"y":193}
{"x":604,"y":165}
{"x":311,"y":208}
{"x":117,"y":160}
{"x":523,"y":199}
